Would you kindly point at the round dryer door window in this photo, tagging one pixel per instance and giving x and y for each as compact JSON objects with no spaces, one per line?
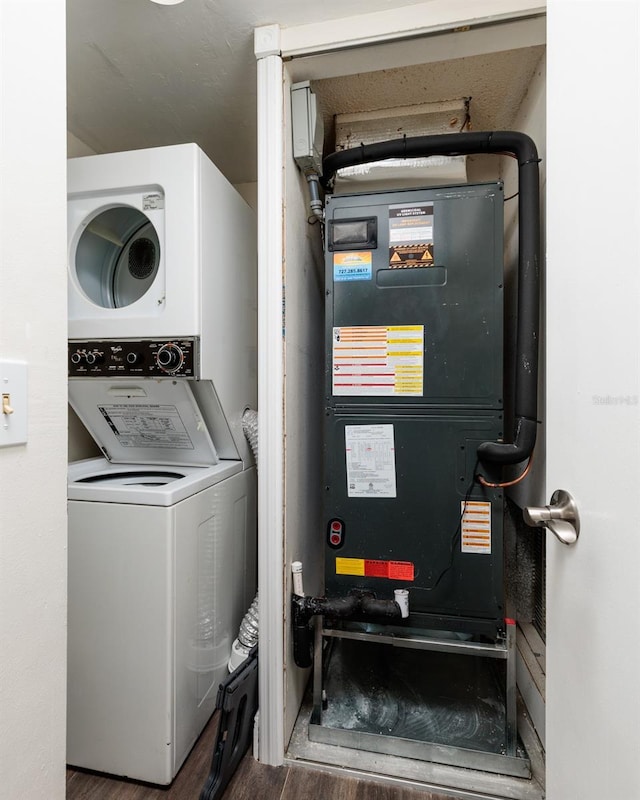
{"x":117,"y":257}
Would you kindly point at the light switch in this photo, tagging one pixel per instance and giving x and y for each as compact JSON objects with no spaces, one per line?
{"x":13,"y":410}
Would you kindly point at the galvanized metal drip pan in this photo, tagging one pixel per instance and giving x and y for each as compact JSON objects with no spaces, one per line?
{"x":426,"y":705}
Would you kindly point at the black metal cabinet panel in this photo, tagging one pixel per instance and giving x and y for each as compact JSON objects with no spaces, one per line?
{"x":414,"y":382}
{"x":437,"y":266}
{"x":397,"y":486}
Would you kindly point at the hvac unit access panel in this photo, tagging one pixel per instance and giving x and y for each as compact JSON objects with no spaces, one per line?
{"x":414,"y":382}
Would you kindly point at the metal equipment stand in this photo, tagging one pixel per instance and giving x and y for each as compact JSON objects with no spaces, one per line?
{"x":461,"y":725}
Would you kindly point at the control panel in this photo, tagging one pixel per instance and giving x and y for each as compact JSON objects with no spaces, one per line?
{"x":335,"y":533}
{"x":156,"y":358}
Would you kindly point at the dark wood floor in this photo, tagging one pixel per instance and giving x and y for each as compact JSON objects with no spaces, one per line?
{"x":252,"y":781}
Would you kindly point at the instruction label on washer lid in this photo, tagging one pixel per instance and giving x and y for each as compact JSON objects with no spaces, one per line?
{"x":147,"y":426}
{"x":475,"y":526}
{"x":378,"y":361}
{"x":371,"y":461}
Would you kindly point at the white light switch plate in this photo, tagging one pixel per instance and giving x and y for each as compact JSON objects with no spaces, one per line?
{"x":13,"y":391}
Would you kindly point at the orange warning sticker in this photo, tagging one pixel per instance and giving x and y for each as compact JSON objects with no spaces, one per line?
{"x":476,"y":526}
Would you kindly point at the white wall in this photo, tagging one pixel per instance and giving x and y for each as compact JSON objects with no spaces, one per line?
{"x":80,"y":443}
{"x":33,"y":328}
{"x":76,"y":147}
{"x":304,"y":401}
{"x":249,"y":192}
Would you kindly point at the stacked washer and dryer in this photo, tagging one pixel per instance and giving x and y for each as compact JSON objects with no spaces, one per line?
{"x":162,"y":527}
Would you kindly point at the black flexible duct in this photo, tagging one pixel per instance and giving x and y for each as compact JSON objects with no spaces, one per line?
{"x":521,"y":147}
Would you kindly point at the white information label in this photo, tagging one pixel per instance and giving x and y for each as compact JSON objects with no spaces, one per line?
{"x":152,"y":201}
{"x":411,"y":224}
{"x":378,"y":361}
{"x":147,"y":426}
{"x":476,"y":526}
{"x":371,"y":461}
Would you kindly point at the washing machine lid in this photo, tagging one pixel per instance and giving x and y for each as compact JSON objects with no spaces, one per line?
{"x":144,"y":421}
{"x":100,"y":481}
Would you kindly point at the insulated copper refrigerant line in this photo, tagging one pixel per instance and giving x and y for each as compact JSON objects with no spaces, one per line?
{"x":520,"y":146}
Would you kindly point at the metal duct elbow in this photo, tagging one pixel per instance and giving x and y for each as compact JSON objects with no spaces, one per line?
{"x":250,"y":430}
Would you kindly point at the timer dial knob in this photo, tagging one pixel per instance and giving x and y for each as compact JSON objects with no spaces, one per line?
{"x":134,"y":358}
{"x":169,"y":357}
{"x":93,"y":359}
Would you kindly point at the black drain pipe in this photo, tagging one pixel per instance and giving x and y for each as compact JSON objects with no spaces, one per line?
{"x":357,"y":605}
{"x":520,"y":146}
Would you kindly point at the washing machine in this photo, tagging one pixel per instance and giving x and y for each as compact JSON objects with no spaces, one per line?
{"x":161,"y":571}
{"x":162,"y":528}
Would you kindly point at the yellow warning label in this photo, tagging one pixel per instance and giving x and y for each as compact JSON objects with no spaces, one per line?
{"x":378,"y":360}
{"x":407,"y":256}
{"x":404,"y":327}
{"x":349,"y":566}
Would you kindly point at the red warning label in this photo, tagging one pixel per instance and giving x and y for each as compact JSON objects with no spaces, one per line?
{"x":401,"y":570}
{"x":376,"y":569}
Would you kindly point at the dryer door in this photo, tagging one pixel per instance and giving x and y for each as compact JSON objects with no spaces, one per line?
{"x":116,"y":258}
{"x":144,"y":421}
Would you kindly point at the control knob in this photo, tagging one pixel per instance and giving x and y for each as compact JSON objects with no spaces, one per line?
{"x":169,"y":357}
{"x":93,"y":359}
{"x":134,"y":358}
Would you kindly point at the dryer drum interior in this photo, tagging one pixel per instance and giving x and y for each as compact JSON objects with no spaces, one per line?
{"x":117,"y":257}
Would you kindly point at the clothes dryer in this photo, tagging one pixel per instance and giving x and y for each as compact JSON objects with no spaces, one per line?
{"x":162,"y":264}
